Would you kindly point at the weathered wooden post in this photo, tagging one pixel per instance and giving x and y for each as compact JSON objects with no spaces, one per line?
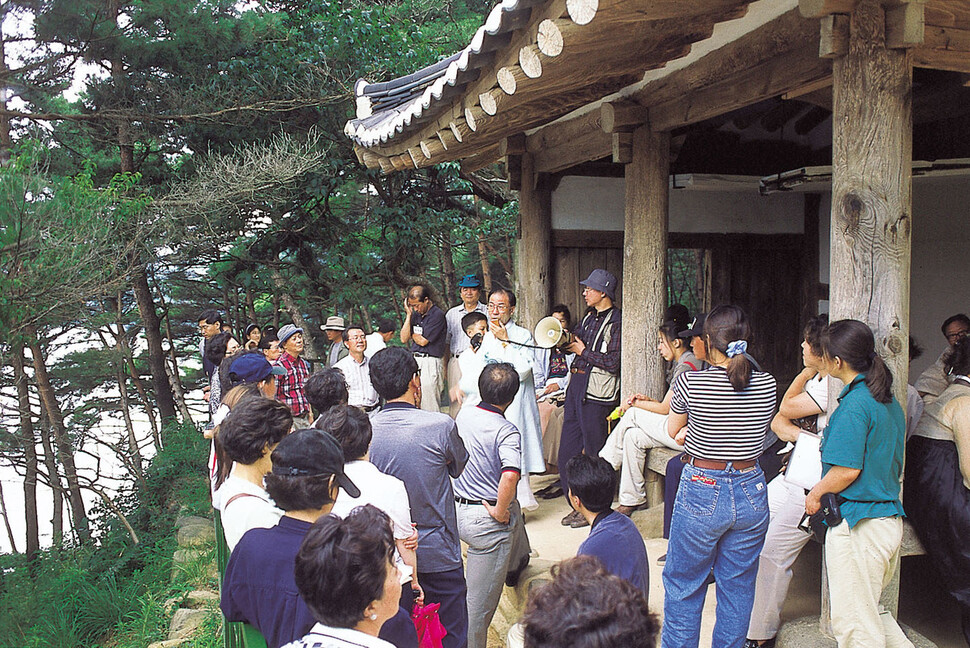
{"x":532,"y":254}
{"x":872,"y":143}
{"x":645,"y":261}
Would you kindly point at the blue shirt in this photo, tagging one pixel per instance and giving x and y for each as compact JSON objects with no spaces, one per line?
{"x":259,"y":586}
{"x":434,"y":328}
{"x":869,"y":436}
{"x":493,"y":445}
{"x":616,"y":541}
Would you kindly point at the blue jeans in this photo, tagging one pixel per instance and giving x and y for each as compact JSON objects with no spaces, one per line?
{"x":720,"y":520}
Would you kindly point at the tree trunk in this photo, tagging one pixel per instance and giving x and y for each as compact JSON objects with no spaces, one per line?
{"x":153,"y":334}
{"x":28,"y":442}
{"x":6,"y":521}
{"x":486,"y":274}
{"x":251,"y":306}
{"x":64,"y":451}
{"x":53,"y":479}
{"x":448,"y":267}
{"x":172,"y":368}
{"x":310,"y":349}
{"x":276,"y":310}
{"x":121,"y":342}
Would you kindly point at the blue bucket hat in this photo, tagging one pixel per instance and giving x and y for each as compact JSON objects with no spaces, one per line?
{"x":469,"y":281}
{"x":603,"y":281}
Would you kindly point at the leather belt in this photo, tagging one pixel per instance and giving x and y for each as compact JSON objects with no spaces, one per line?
{"x":370,"y":408}
{"x":575,"y":371}
{"x":462,"y":500}
{"x":420,"y":354}
{"x":710,"y":464}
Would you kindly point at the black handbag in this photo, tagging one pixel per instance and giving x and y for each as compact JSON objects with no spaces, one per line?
{"x":828,"y":515}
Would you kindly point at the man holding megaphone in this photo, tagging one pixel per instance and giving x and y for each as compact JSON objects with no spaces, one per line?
{"x":594,"y":387}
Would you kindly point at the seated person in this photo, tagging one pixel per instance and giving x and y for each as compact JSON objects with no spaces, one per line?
{"x":258,"y":586}
{"x":247,"y":437}
{"x":585,"y":606}
{"x":345,"y":572}
{"x":914,"y":402}
{"x":644,"y":422}
{"x":935,"y":379}
{"x":551,"y":395}
{"x":803,"y":408}
{"x":613,"y":538}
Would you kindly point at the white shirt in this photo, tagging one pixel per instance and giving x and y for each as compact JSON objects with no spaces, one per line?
{"x":375,"y":342}
{"x":357,"y":374}
{"x":321,"y":636}
{"x":457,"y":340}
{"x":254,"y":509}
{"x":384,"y":492}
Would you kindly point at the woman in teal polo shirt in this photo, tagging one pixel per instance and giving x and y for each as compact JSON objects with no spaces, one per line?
{"x":862,"y":458}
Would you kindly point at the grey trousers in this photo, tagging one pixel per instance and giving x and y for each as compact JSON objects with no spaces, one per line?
{"x":493,"y":549}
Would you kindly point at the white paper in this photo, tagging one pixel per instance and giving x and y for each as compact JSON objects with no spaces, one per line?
{"x":805,"y":466}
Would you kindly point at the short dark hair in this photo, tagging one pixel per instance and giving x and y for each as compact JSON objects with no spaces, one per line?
{"x":211,"y":316}
{"x":267,"y":339}
{"x":585,"y":606}
{"x":299,"y":492}
{"x":915,"y":350}
{"x":677,"y":313}
{"x":472,"y":318}
{"x":419,"y":292}
{"x":350,"y":426}
{"x":959,"y":317}
{"x":345,"y":334}
{"x":253,"y":424}
{"x":562,"y":308}
{"x":342,"y":565}
{"x":385,"y":326}
{"x":813,"y":331}
{"x":504,"y":291}
{"x":391,"y":371}
{"x":498,"y":383}
{"x":326,"y":388}
{"x":592,"y":480}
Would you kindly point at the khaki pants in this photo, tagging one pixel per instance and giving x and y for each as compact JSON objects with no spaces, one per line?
{"x":454,"y":374}
{"x":859,"y":563}
{"x":550,"y":417}
{"x":430,"y":382}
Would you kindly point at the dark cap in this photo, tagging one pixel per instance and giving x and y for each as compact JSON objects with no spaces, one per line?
{"x":469,"y":281}
{"x":253,"y":368}
{"x":603,"y":281}
{"x":311,"y":452}
{"x":696,"y":328}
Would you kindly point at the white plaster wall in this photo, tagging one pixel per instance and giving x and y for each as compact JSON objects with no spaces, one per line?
{"x":581,"y":203}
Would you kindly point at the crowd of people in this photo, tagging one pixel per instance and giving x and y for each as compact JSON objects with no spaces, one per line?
{"x":346,"y":492}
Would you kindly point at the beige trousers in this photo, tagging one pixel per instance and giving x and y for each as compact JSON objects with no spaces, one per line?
{"x":431,"y":382}
{"x":859,"y":563}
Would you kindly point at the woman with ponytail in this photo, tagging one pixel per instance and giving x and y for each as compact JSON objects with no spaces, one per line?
{"x":720,"y":515}
{"x":862,"y":458}
{"x":938,"y":481}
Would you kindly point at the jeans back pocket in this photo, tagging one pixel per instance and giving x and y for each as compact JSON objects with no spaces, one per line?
{"x":698,"y":492}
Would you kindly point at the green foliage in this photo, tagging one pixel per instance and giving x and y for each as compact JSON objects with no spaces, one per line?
{"x":112,"y":594}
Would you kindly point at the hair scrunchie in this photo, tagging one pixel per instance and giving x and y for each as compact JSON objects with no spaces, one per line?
{"x":737,"y":347}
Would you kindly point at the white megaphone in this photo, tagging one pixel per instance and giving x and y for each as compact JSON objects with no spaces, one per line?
{"x":550,"y":333}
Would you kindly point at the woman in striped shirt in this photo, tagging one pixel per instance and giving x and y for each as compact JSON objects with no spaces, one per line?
{"x":721,"y":512}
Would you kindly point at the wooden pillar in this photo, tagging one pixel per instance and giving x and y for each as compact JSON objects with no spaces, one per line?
{"x":645,"y":262}
{"x":872,"y":143}
{"x":532,"y":255}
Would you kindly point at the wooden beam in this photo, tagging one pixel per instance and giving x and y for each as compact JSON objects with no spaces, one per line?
{"x":600,"y":239}
{"x":549,"y":39}
{"x":833,"y":36}
{"x":532,"y":258}
{"x":530,"y":61}
{"x":481,"y":160}
{"x":622,"y":148}
{"x":512,"y":145}
{"x":622,"y":115}
{"x":905,"y":25}
{"x":591,"y":146}
{"x":819,"y":8}
{"x":645,"y":260}
{"x":564,"y":132}
{"x":768,"y":79}
{"x":513,"y":172}
{"x":954,"y":61}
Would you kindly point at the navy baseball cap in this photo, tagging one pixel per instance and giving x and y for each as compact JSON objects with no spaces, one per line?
{"x":252,"y":368}
{"x":696,"y":328}
{"x":311,"y":452}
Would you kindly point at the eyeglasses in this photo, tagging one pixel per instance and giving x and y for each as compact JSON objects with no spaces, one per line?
{"x":355,"y":338}
{"x":956,"y":336}
{"x":498,"y":307}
